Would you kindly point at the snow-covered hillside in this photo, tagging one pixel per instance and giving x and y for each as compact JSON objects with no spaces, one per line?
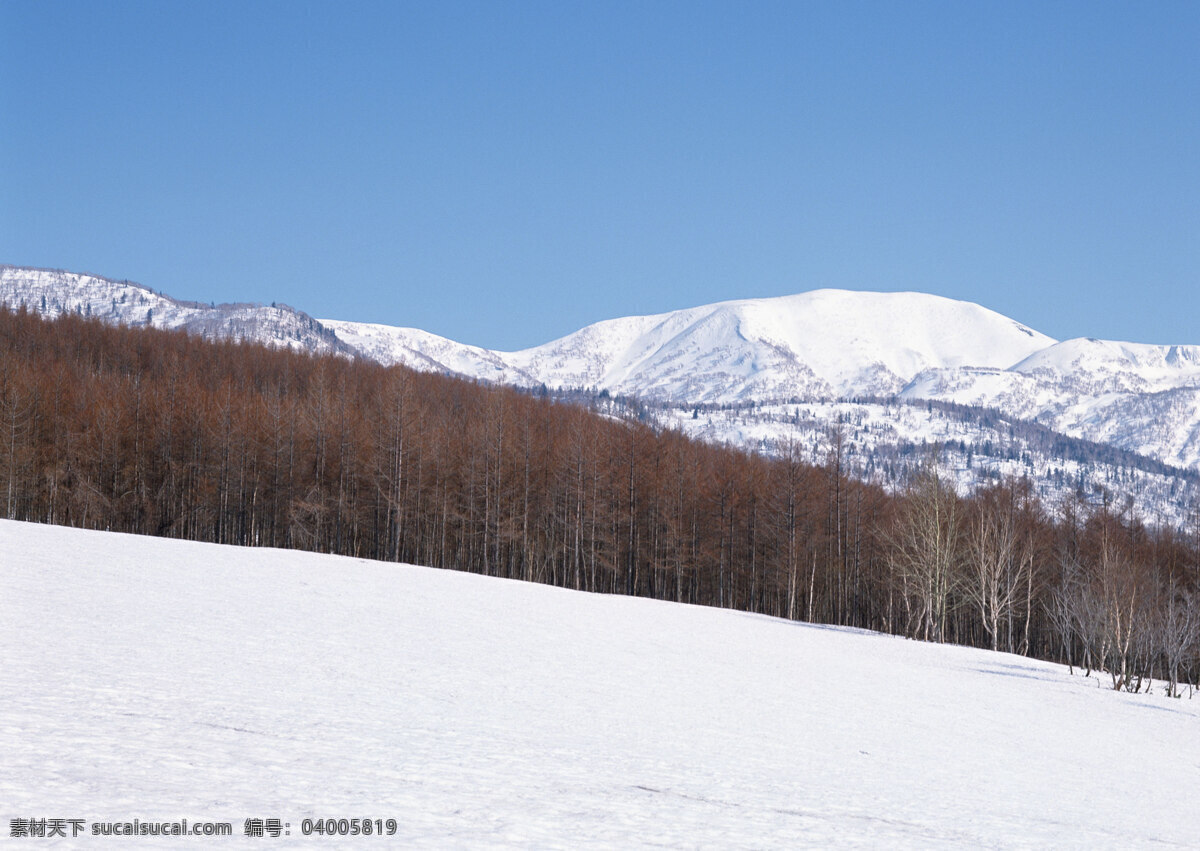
{"x":53,"y":293}
{"x":156,"y":679}
{"x":1142,"y":398}
{"x":421,"y":350}
{"x":888,"y":441}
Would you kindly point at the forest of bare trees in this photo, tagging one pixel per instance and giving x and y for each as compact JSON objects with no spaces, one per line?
{"x":159,"y":433}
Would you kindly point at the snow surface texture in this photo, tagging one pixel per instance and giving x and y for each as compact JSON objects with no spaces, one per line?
{"x":158,"y":679}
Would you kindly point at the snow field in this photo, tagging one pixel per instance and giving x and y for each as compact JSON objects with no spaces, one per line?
{"x":148,"y":678}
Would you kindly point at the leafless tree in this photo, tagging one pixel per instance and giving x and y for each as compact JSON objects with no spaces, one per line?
{"x":926,"y":553}
{"x":998,"y":566}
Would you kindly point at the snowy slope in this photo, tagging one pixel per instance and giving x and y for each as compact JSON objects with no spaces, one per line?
{"x":826,"y":342}
{"x":428,"y":352}
{"x":887,"y":442}
{"x":1138,"y":397}
{"x":1105,"y":366}
{"x":53,"y":293}
{"x":851,"y":342}
{"x":149,"y":678}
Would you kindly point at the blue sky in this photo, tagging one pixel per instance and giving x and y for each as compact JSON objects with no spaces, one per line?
{"x":505,"y":172}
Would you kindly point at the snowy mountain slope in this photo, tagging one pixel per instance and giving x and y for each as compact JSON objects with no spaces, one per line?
{"x":161,"y":679}
{"x":1142,"y":398}
{"x":1104,"y":366}
{"x":421,"y":350}
{"x":826,"y":342}
{"x":887,"y":441}
{"x":52,"y":293}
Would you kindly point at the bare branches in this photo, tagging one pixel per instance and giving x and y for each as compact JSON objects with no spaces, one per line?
{"x":998,"y":566}
{"x":926,"y":554}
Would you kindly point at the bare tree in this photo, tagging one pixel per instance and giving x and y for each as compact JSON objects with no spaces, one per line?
{"x":926,"y":553}
{"x":1178,"y":629}
{"x":999,"y":563}
{"x":1121,"y":593}
{"x":16,"y":415}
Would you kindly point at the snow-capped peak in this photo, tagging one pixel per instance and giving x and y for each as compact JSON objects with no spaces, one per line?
{"x":825,"y":342}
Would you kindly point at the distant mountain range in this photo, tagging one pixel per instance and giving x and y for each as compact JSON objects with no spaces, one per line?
{"x":827,"y":343}
{"x":756,"y":372}
{"x":834,"y":344}
{"x":53,"y":292}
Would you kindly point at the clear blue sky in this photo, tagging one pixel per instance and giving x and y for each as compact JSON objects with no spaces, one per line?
{"x":505,"y":172}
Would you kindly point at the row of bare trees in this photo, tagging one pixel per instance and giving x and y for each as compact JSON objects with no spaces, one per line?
{"x":158,"y":433}
{"x":1113,"y":596}
{"x":947,"y":554}
{"x":1116,"y":609}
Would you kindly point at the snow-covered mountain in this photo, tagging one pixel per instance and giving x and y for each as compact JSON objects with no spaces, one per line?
{"x":886,"y":441}
{"x":171,"y":679}
{"x":53,"y":292}
{"x":422,"y":350}
{"x":1139,"y":397}
{"x":761,"y":360}
{"x":825,"y":343}
{"x":831,"y":344}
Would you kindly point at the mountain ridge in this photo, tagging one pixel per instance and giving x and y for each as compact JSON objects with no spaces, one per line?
{"x":52,"y":292}
{"x":742,"y":339}
{"x":755,"y":357}
{"x":1139,"y":397}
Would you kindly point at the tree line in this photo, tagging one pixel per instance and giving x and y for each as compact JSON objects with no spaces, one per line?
{"x":158,"y":432}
